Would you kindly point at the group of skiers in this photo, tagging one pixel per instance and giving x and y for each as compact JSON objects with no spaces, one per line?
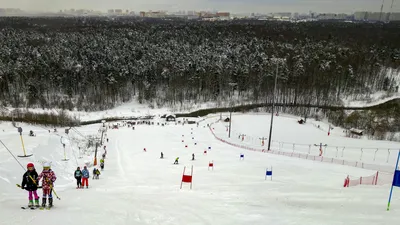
{"x":30,"y":182}
{"x":176,"y":159}
{"x":82,"y":176}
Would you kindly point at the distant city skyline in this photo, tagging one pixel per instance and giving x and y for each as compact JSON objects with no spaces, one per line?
{"x":234,"y":6}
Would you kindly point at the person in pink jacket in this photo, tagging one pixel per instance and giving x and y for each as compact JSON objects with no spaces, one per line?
{"x":49,"y":177}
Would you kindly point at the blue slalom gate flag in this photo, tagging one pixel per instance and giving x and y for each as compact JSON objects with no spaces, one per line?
{"x":268,"y":173}
{"x":396,"y":180}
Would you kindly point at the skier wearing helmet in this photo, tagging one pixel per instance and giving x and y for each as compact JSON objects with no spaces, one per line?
{"x":85,"y":177}
{"x":29,"y":183}
{"x":49,"y":177}
{"x":78,"y":177}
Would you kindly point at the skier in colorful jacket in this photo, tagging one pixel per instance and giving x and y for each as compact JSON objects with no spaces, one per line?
{"x":49,"y":177}
{"x":85,"y":177}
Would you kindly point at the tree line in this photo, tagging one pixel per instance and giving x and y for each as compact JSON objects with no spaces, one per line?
{"x":94,"y":63}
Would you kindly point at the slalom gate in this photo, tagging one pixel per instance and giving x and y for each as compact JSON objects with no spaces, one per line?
{"x":268,"y":173}
{"x":186,"y":178}
{"x":211,"y":165}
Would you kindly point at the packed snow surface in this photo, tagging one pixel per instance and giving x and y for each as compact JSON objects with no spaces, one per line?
{"x":137,"y":187}
{"x":289,"y":136}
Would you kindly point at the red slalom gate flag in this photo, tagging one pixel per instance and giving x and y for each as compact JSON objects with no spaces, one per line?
{"x":187,"y":178}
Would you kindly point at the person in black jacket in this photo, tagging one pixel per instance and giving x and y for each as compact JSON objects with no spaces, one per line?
{"x":29,"y":183}
{"x":78,"y":177}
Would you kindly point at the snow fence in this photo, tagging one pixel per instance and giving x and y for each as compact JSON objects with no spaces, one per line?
{"x":358,"y":164}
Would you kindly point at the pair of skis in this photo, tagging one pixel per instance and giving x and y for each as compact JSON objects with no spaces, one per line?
{"x":29,"y":207}
{"x":36,"y":207}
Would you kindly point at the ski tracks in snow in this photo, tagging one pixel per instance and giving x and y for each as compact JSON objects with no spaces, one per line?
{"x":119,"y":160}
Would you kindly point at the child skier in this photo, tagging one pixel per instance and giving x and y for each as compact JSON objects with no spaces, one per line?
{"x":96,"y":173}
{"x":49,"y":177}
{"x":176,"y":160}
{"x":29,"y":180}
{"x":85,"y":177}
{"x":102,"y":164}
{"x":78,"y":177}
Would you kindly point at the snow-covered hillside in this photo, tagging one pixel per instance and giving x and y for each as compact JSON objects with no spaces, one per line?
{"x":375,"y":99}
{"x":138,"y":187}
{"x":135,"y":109}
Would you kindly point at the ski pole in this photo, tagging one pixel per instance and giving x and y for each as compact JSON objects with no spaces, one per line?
{"x":33,"y":180}
{"x":18,"y":185}
{"x":52,"y":189}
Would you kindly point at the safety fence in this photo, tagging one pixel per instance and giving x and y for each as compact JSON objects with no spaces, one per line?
{"x":308,"y":156}
{"x":368,"y":180}
{"x":374,"y":155}
{"x":378,"y":178}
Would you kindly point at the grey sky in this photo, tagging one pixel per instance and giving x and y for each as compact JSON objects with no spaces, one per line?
{"x":245,"y":6}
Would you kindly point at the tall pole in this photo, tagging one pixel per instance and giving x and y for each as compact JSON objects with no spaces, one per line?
{"x":95,"y":154}
{"x":102,"y":132}
{"x":230,"y":113}
{"x":22,"y":141}
{"x":380,"y":15}
{"x":273,"y":106}
{"x":390,"y":12}
{"x":230,"y":122}
{"x":391,"y":189}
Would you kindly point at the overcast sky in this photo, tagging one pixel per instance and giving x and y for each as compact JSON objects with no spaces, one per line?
{"x":236,"y":6}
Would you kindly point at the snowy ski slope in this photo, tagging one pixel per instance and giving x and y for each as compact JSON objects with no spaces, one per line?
{"x":289,"y":136}
{"x":138,"y":187}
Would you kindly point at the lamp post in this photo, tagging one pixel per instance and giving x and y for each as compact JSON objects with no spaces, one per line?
{"x":230,"y":111}
{"x":273,"y":102}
